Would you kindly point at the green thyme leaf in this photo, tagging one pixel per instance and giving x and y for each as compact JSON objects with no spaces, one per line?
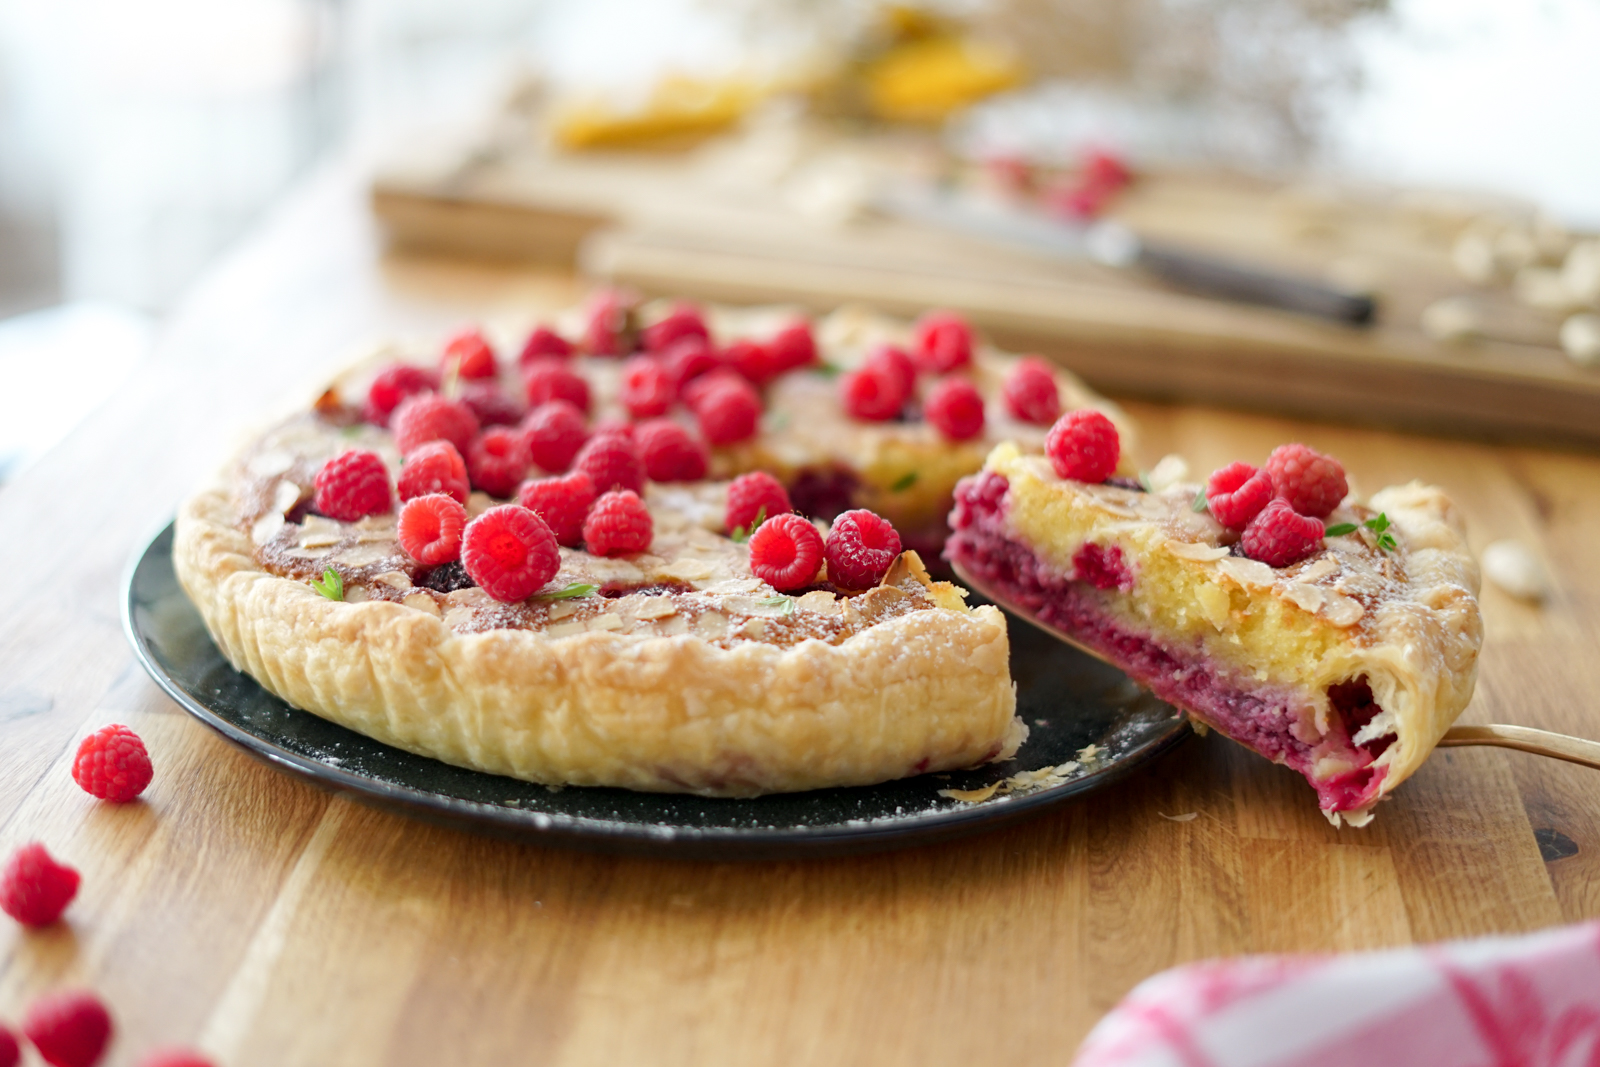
{"x":741,"y":534}
{"x":904,"y":482}
{"x":775,"y":421}
{"x":1379,"y":524}
{"x":1386,"y":542}
{"x":828,"y":370}
{"x":1340,"y":529}
{"x":331,"y":585}
{"x":1200,"y":504}
{"x":570,"y":592}
{"x":352,"y":430}
{"x":1144,"y":482}
{"x":786,"y":603}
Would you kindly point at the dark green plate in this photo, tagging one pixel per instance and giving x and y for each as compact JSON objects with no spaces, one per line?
{"x":1069,"y":701}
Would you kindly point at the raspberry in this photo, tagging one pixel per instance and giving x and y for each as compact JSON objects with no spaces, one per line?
{"x":543,"y":341}
{"x":490,"y":404}
{"x":1279,"y":535}
{"x":646,"y":390}
{"x":1236,"y":493}
{"x":550,"y":379}
{"x":425,"y":418}
{"x":729,"y":412}
{"x":955,"y":409}
{"x":611,"y":460}
{"x":34,"y":888}
{"x":754,"y":360}
{"x":498,"y":460}
{"x":609,"y":330}
{"x":10,"y":1051}
{"x":69,"y":1029}
{"x":1030,"y":392}
{"x":785,"y":552}
{"x":943,"y":342}
{"x":561,"y":502}
{"x":435,"y":467}
{"x":894,"y":362}
{"x":697,"y":389}
{"x":353,"y":485}
{"x":554,"y":433}
{"x":1105,"y":169}
{"x":174,"y":1057}
{"x":1083,"y":444}
{"x":684,"y":320}
{"x":393,"y":384}
{"x":469,"y":352}
{"x":112,"y":764}
{"x":793,"y":347}
{"x":430,"y":528}
{"x":1311,"y":482}
{"x":510,"y":552}
{"x":861,"y":547}
{"x":669,"y":452}
{"x":686,"y":361}
{"x":1078,"y":201}
{"x":872,"y":393}
{"x":619,"y":524}
{"x":755,"y":494}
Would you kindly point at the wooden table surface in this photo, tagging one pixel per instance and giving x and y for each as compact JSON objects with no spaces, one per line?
{"x":270,"y":923}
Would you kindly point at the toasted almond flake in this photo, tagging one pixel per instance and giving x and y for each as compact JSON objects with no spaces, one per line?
{"x":711,"y":624}
{"x":561,"y":609}
{"x":318,"y":532}
{"x":266,"y":464}
{"x":361,"y":555}
{"x":459,"y":615}
{"x":1249,"y":573}
{"x":672,"y":626}
{"x":561,"y":629}
{"x":689,"y":570}
{"x":971,"y":796}
{"x":754,"y":629}
{"x":1342,"y":610}
{"x":606,"y":621}
{"x":656,"y":607}
{"x":1089,"y":754}
{"x":285,"y":497}
{"x":1198,"y":551}
{"x":1169,"y":471}
{"x":820,"y":601}
{"x":1320,"y":569}
{"x":1112,"y":508}
{"x":1305,"y":597}
{"x":371,"y":530}
{"x":394,"y":579}
{"x":266,"y":527}
{"x":422,"y":602}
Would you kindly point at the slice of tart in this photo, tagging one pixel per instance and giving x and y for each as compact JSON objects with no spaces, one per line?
{"x":1345,"y":654}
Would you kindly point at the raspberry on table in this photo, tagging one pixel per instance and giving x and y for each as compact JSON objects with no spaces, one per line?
{"x":729,"y":412}
{"x":753,"y":494}
{"x":471,"y":354}
{"x":860,"y":548}
{"x":175,"y":1057}
{"x":609,"y":330}
{"x":1078,"y":200}
{"x":430,"y":528}
{"x":1084,"y":445}
{"x":491,"y":404}
{"x":955,"y":408}
{"x":498,"y":461}
{"x":70,"y":1029}
{"x":353,"y":485}
{"x":543,"y":341}
{"x":562,"y":502}
{"x":687,"y":360}
{"x":550,"y":379}
{"x":112,"y":764}
{"x":669,"y":452}
{"x":943,"y":342}
{"x":872,"y":393}
{"x":1311,"y":482}
{"x":554,"y":433}
{"x":1279,"y":536}
{"x":429,"y":417}
{"x":793,"y":347}
{"x":393,"y":384}
{"x":611,"y":460}
{"x":435,"y":467}
{"x":510,"y":552}
{"x":618,"y":525}
{"x":752,"y":359}
{"x":684,"y":320}
{"x":647,"y":391}
{"x":1235,"y":494}
{"x":1105,"y":169}
{"x":785,"y":552}
{"x":1030,"y":392}
{"x":34,"y":888}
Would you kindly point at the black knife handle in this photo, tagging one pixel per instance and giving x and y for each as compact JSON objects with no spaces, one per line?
{"x":1208,"y":276}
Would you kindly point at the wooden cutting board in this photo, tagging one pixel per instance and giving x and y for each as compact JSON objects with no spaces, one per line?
{"x":671,"y":225}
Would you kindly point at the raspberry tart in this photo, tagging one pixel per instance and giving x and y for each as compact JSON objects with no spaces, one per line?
{"x":1335,"y":637}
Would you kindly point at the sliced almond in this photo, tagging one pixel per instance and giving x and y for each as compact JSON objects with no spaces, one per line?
{"x":1198,"y":551}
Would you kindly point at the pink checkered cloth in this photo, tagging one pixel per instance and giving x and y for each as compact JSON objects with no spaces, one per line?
{"x":1529,"y":1001}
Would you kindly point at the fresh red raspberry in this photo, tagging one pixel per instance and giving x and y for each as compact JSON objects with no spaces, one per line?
{"x":174,"y":1057}
{"x":1078,"y":200}
{"x":1105,"y":169}
{"x":943,"y":342}
{"x":1030,"y":392}
{"x":757,"y":494}
{"x":112,"y":764}
{"x":469,"y":351}
{"x":554,"y":432}
{"x":696,"y":389}
{"x":435,"y":467}
{"x":69,"y":1029}
{"x":670,"y":453}
{"x":684,"y":320}
{"x":1311,"y":482}
{"x":551,"y":379}
{"x":754,"y":360}
{"x":860,"y":548}
{"x":609,"y":329}
{"x":510,"y":552}
{"x":1279,"y":536}
{"x":1235,"y":494}
{"x":34,"y":888}
{"x":729,"y":412}
{"x":793,"y":347}
{"x":647,"y":391}
{"x":491,"y":404}
{"x":420,"y":419}
{"x":393,"y":384}
{"x":955,"y":408}
{"x":873,"y":393}
{"x":611,"y":460}
{"x":430,"y":528}
{"x":543,"y":341}
{"x":562,"y":502}
{"x":498,"y":460}
{"x":686,"y":361}
{"x":893,"y":361}
{"x":1083,"y":444}
{"x":10,"y":1051}
{"x":618,"y":525}
{"x":353,"y":485}
{"x":785,"y":552}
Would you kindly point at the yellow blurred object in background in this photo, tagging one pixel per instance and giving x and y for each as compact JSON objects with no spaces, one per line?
{"x":679,"y":111}
{"x":927,"y":78}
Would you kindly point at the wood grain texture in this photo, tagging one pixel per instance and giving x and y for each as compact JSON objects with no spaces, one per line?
{"x":271,"y":924}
